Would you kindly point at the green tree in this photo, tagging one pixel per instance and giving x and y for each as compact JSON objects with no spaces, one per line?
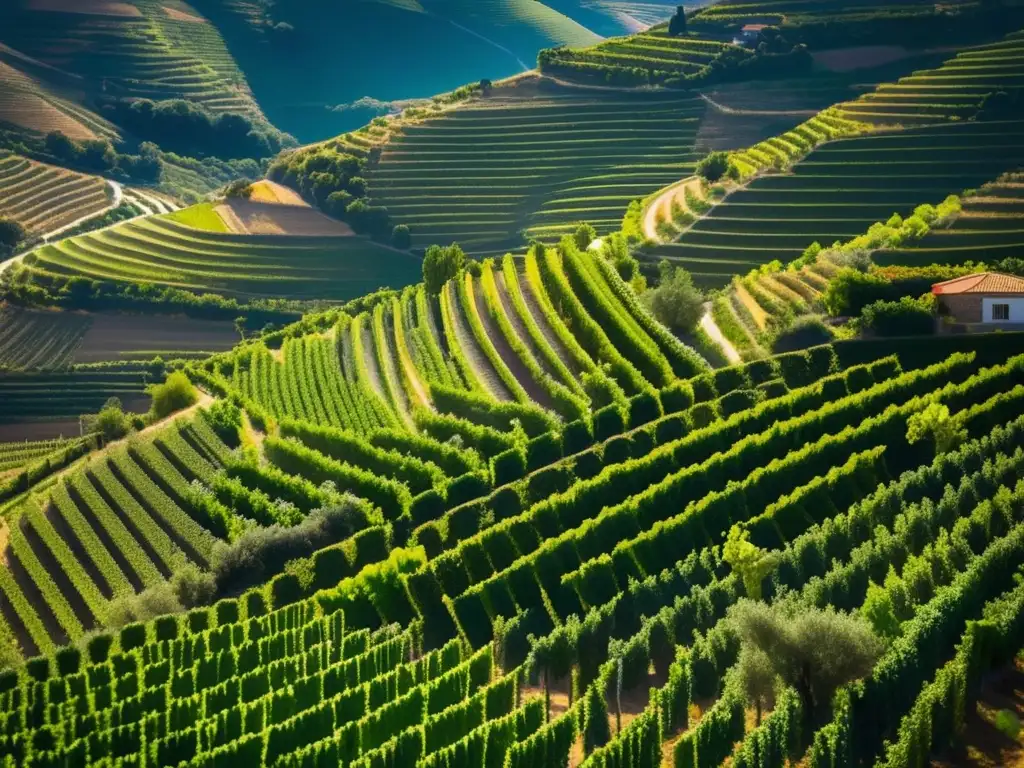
{"x":677,"y":24}
{"x":749,"y":561}
{"x":584,"y":235}
{"x":713,"y":167}
{"x":174,"y":394}
{"x":11,"y":233}
{"x":676,"y":301}
{"x":814,"y":650}
{"x":441,"y":264}
{"x":937,"y":424}
{"x":112,"y":422}
{"x":758,"y":678}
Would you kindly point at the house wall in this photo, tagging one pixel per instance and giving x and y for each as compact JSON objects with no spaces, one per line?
{"x":964,"y":308}
{"x":1016,"y":309}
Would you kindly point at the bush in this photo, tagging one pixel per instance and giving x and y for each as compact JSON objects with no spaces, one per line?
{"x":173,"y":395}
{"x":808,"y":331}
{"x":643,"y":409}
{"x":440,"y":265}
{"x":262,"y":552}
{"x":69,"y":659}
{"x":713,"y":167}
{"x":906,"y":317}
{"x":11,"y":233}
{"x":676,"y":301}
{"x":401,"y":237}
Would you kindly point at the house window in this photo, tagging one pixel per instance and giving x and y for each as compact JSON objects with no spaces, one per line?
{"x":1000,"y":311}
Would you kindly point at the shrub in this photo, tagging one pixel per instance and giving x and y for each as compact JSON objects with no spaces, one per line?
{"x":11,"y":233}
{"x":440,"y":265}
{"x":804,"y":332}
{"x":38,"y":668}
{"x":677,"y":397}
{"x":401,"y":238}
{"x":676,"y":301}
{"x":225,"y":419}
{"x":713,"y":167}
{"x":173,"y":395}
{"x":906,"y":317}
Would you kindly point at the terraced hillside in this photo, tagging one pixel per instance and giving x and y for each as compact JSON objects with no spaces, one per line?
{"x":989,"y":228}
{"x":14,"y":456}
{"x":64,"y":395}
{"x":131,"y":50}
{"x":35,"y":339}
{"x":31,"y":102}
{"x":500,"y":171}
{"x":43,"y":198}
{"x":160,"y":250}
{"x":494,"y":39}
{"x":837,"y":188}
{"x":802,"y":453}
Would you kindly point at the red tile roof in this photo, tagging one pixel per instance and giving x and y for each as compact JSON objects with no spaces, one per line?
{"x":982,"y":282}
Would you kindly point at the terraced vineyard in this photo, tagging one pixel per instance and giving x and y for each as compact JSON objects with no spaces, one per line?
{"x":30,"y":339}
{"x":657,"y":56}
{"x":530,"y":445}
{"x":513,"y":521}
{"x":16,"y":455}
{"x":139,"y":51}
{"x":162,"y":251}
{"x":57,"y":395}
{"x":839,"y":188}
{"x":990,"y":228}
{"x":500,"y":171}
{"x":43,"y":198}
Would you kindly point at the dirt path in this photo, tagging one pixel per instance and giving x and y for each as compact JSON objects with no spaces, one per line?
{"x":533,"y":307}
{"x":370,"y":360}
{"x":517,"y":323}
{"x":505,"y":352}
{"x":764,"y":112}
{"x":707,"y":322}
{"x":477,"y":360}
{"x":661,"y":208}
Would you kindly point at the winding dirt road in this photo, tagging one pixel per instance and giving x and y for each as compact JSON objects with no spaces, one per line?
{"x":715,"y":334}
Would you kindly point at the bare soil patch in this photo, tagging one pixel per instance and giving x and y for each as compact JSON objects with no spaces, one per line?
{"x":177,"y":15}
{"x":87,"y":7}
{"x":248,"y":217}
{"x":118,"y":337}
{"x":38,"y":430}
{"x":859,"y":57}
{"x":267,"y":191}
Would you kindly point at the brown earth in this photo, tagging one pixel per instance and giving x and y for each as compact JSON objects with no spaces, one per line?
{"x":90,"y":7}
{"x":859,"y":57}
{"x":21,"y":107}
{"x":267,"y":191}
{"x":116,"y":337}
{"x":177,"y":15}
{"x":256,"y":218}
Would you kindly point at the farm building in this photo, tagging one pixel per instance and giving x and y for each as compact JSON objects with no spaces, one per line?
{"x":986,"y":298}
{"x":749,"y":34}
